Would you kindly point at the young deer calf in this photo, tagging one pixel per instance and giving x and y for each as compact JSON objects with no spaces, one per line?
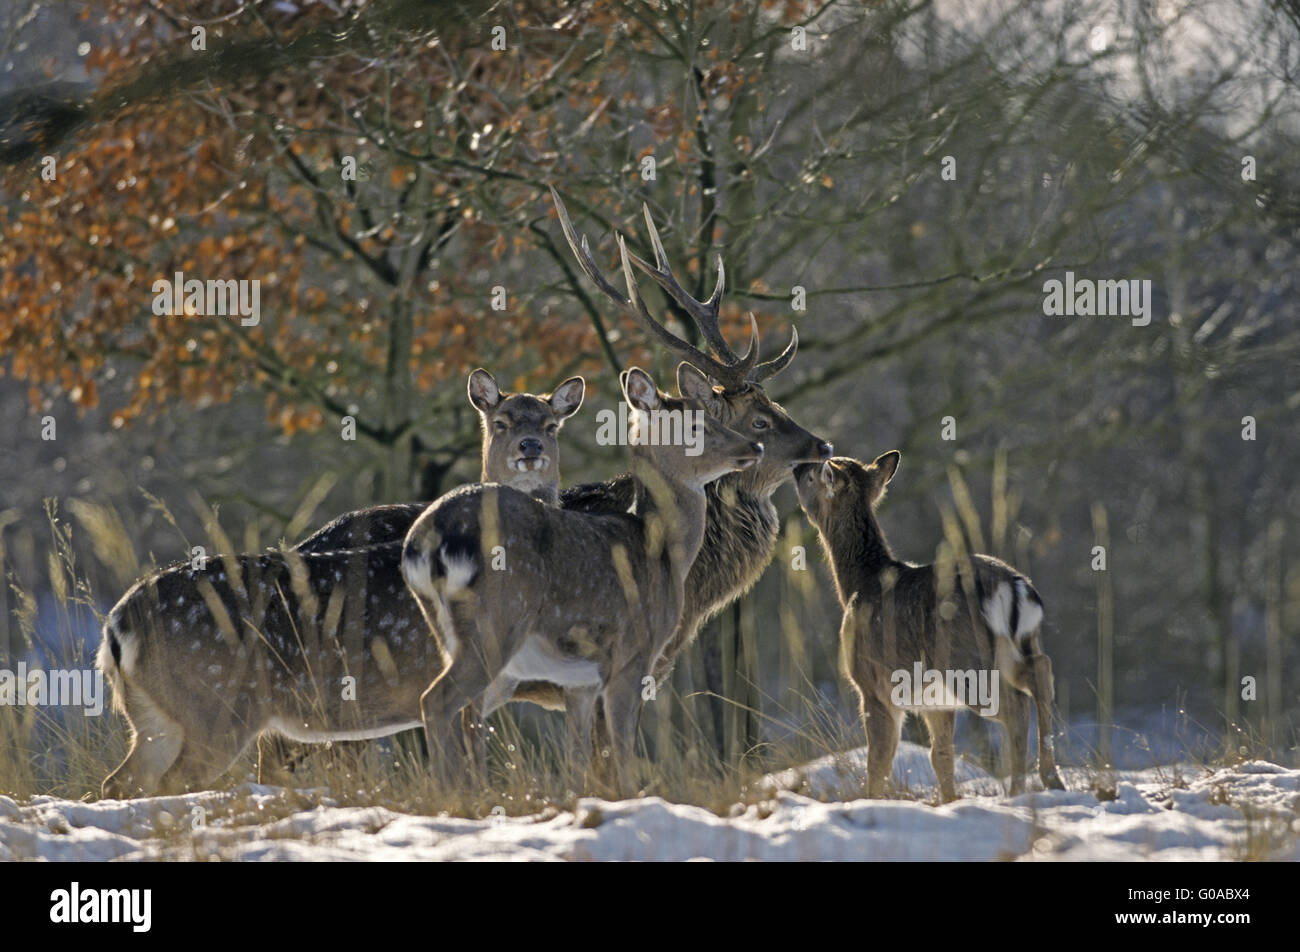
{"x":978,"y":616}
{"x":517,"y":590}
{"x":320,"y":643}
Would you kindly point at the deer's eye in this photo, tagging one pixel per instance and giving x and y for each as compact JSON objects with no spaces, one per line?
{"x":500,"y":426}
{"x":552,"y":428}
{"x":760,"y":423}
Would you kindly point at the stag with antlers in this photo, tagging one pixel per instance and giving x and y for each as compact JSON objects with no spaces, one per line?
{"x":741,"y":522}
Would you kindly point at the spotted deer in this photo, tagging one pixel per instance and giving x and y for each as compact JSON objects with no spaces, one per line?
{"x":741,"y":523}
{"x":517,"y":590}
{"x":319,"y":643}
{"x":969,"y":616}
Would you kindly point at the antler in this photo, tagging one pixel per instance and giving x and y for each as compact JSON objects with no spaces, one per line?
{"x":732,"y":370}
{"x":779,"y":363}
{"x":703,"y":313}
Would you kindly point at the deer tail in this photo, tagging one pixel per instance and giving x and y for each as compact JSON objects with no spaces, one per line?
{"x":119,"y":648}
{"x":443,"y":566}
{"x":1014,"y":610}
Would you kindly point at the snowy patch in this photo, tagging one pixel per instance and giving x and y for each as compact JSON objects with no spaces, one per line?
{"x":843,"y":776}
{"x":1187,"y":813}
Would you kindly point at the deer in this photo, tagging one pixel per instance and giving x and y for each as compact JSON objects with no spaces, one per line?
{"x":518,"y":590}
{"x":972,"y":615}
{"x":520,"y":448}
{"x":205,"y":658}
{"x":741,"y":524}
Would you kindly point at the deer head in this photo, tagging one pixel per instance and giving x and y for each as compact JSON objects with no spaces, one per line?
{"x":521,"y":433}
{"x":843,"y":485}
{"x":729,"y":386}
{"x":698,"y":449}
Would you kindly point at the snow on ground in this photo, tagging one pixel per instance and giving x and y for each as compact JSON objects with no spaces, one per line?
{"x":843,"y":776}
{"x":1186,"y":813}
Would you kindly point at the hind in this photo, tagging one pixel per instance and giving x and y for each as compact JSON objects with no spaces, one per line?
{"x":163,"y":756}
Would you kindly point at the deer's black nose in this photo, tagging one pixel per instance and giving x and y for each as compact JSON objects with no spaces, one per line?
{"x":757,"y":448}
{"x":530,"y":447}
{"x":827,"y":450}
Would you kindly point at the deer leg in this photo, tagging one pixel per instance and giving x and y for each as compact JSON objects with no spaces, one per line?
{"x":272,"y":756}
{"x":465,"y":679}
{"x":622,"y":704}
{"x":942,"y":754}
{"x":1043,"y":688}
{"x":278,"y":755}
{"x":1014,"y":714}
{"x":461,"y":683}
{"x":205,"y":757}
{"x":474,"y":735}
{"x":156,"y":742}
{"x":884,"y":724}
{"x":579,"y":705}
{"x":601,"y":742}
{"x":474,"y":718}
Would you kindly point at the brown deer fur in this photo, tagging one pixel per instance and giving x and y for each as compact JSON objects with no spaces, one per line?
{"x":975,"y":614}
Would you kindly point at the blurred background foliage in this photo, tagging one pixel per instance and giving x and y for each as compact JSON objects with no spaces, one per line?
{"x":806,"y":141}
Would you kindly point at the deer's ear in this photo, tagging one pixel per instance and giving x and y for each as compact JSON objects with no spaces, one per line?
{"x":567,"y":397}
{"x":483,"y":391}
{"x":886,"y":464}
{"x":694,"y":384}
{"x":640,"y":390}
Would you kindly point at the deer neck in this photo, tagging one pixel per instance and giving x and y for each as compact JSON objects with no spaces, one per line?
{"x":679,"y":504}
{"x":759,"y":481}
{"x":538,"y":485}
{"x":858,"y":552}
{"x":547,"y":495}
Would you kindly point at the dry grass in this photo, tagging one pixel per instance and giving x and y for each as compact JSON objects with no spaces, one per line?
{"x":63,"y":753}
{"x":48,"y":750}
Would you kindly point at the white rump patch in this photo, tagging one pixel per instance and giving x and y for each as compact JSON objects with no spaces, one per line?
{"x":460,"y":570}
{"x":128,"y":645}
{"x":997,"y":610}
{"x":445,"y":630}
{"x":415,"y":569}
{"x":432,"y":601}
{"x":1031,"y":613}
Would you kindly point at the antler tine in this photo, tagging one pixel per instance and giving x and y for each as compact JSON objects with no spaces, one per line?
{"x":774,"y":366}
{"x":634,"y":306}
{"x":750,"y":359}
{"x":726,"y":373}
{"x":703,"y":313}
{"x":581,"y":251}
